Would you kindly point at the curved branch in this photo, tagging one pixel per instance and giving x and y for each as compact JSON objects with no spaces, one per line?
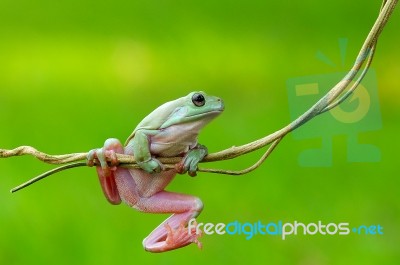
{"x":333,"y":98}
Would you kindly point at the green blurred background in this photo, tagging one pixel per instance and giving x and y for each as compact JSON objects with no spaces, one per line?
{"x":74,"y":73}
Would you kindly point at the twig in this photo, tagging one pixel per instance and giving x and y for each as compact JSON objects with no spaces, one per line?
{"x":48,"y":173}
{"x":80,"y":164}
{"x":333,"y":98}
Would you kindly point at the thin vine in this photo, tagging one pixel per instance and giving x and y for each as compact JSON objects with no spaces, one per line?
{"x":329,"y":101}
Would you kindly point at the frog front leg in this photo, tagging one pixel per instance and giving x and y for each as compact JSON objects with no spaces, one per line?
{"x":140,"y":147}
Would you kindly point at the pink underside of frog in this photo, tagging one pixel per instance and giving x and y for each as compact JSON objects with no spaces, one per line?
{"x":145,"y":192}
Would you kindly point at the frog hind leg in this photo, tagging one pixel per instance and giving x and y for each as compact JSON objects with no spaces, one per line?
{"x":175,"y":231}
{"x":107,"y":174}
{"x":178,"y":230}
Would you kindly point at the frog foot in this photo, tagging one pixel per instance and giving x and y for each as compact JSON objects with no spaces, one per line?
{"x":181,"y":236}
{"x":191,"y":160}
{"x":104,"y":158}
{"x":183,"y":166}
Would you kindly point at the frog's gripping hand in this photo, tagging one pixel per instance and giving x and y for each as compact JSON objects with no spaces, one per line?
{"x":191,"y":160}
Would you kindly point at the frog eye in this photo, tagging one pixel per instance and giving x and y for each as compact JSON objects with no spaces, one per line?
{"x":198,"y":99}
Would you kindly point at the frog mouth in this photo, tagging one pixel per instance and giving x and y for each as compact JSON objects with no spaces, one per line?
{"x":207,"y":113}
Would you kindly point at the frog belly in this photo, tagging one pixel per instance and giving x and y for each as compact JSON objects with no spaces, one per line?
{"x":173,"y":141}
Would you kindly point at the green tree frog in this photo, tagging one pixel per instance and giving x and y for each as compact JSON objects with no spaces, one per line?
{"x":170,"y":130}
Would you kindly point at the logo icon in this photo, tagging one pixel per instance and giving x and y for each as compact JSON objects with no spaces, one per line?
{"x":358,"y":114}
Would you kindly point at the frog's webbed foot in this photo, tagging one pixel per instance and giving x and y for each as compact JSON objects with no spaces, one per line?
{"x":181,"y":236}
{"x":191,"y":160}
{"x":106,"y":162}
{"x":174,"y":238}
